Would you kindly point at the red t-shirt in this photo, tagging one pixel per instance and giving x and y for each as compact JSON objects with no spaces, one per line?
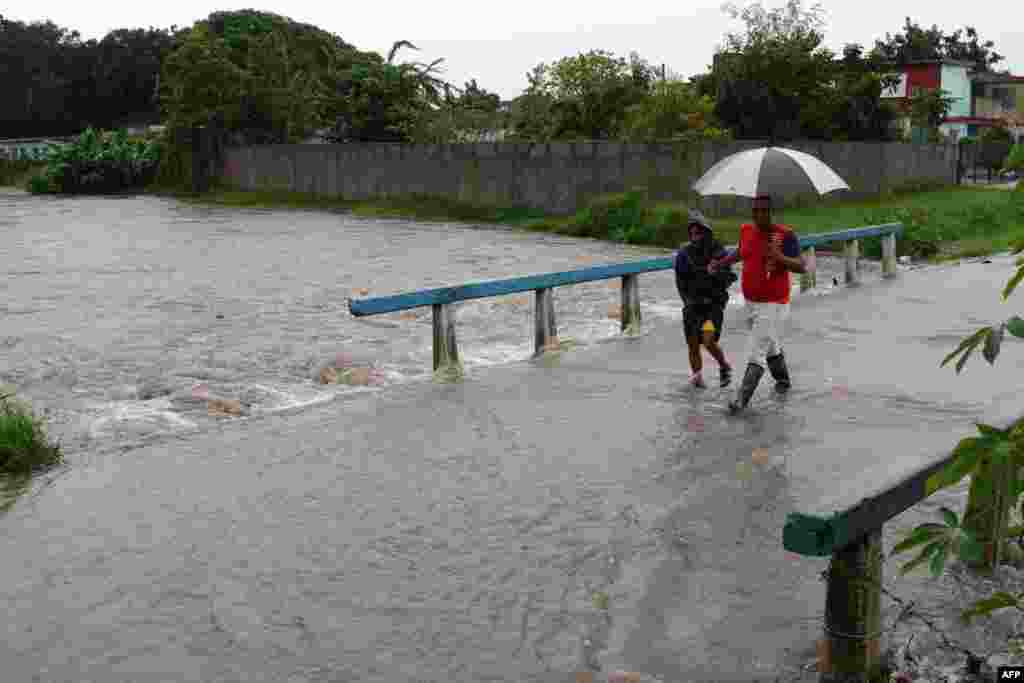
{"x":757,"y":284}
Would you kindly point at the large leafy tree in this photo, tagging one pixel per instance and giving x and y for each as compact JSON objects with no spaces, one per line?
{"x":268,"y":78}
{"x":381,"y":100}
{"x":859,"y":112}
{"x":773,"y":71}
{"x":915,"y":43}
{"x":776,"y":80}
{"x":57,"y":84}
{"x":585,"y":96}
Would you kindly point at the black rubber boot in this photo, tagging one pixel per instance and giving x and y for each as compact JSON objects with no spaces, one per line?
{"x":750,"y":381}
{"x":780,"y":373}
{"x":724,"y":376}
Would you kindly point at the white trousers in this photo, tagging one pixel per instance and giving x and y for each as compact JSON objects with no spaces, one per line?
{"x":766,"y":323}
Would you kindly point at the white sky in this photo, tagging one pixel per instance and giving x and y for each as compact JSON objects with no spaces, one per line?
{"x":499,"y":42}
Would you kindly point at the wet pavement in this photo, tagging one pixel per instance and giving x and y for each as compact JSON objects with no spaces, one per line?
{"x":585,"y":510}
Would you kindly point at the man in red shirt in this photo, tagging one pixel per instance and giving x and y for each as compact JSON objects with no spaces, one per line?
{"x":770,"y":252}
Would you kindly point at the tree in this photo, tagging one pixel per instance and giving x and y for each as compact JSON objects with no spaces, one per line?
{"x":583,"y":97}
{"x":199,"y":80}
{"x":918,"y":44}
{"x":776,"y":72}
{"x":269,"y":78}
{"x":859,"y":111}
{"x":57,"y":84}
{"x":386,"y":102}
{"x":928,"y":109}
{"x":672,"y":111}
{"x":791,"y":22}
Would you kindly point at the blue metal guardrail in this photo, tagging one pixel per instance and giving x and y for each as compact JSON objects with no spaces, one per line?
{"x":480,"y":290}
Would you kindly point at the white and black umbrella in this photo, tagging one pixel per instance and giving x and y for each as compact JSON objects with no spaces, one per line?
{"x":776,"y":171}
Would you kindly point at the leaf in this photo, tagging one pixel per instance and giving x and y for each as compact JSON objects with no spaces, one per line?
{"x":1014,"y":281}
{"x":970,"y":549}
{"x":1015,"y":326}
{"x":922,"y":534}
{"x":925,"y":555}
{"x":989,"y":430}
{"x":966,"y":345}
{"x":950,"y":517}
{"x":938,"y":562}
{"x":963,"y":360}
{"x":1015,"y":531}
{"x":965,"y":459}
{"x":1000,"y":600}
{"x":1001,"y":453}
{"x":992,"y":344}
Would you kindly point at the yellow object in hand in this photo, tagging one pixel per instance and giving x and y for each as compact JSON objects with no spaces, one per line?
{"x":708,"y":326}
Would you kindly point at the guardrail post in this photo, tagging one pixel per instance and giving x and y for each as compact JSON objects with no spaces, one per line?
{"x":630,"y":304}
{"x":852,"y":252}
{"x":809,"y":280}
{"x":889,"y":255}
{"x":545,"y":335}
{"x":446,"y":350}
{"x":853,"y":604}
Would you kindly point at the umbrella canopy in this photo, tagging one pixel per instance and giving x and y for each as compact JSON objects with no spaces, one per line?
{"x":776,"y":171}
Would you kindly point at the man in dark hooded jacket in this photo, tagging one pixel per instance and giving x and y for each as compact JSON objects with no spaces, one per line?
{"x":704,"y":296}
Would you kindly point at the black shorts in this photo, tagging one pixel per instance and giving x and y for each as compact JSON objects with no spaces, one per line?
{"x":696,"y":315}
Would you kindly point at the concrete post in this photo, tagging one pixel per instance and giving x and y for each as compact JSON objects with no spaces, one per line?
{"x":853,"y":607}
{"x":446,"y":351}
{"x":545,"y":336}
{"x":852,"y":252}
{"x":889,"y":255}
{"x":809,"y":280}
{"x":630,"y":304}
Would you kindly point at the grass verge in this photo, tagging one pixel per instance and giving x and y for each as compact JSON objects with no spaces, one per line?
{"x":941,"y":224}
{"x":24,"y":448}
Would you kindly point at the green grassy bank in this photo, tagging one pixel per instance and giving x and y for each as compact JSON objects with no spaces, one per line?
{"x":939,"y":224}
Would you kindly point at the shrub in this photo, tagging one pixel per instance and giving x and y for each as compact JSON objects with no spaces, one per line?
{"x":610,"y":217}
{"x":101,"y":163}
{"x":23,"y":445}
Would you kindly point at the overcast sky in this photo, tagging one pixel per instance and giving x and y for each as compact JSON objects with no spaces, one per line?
{"x":498,"y":42}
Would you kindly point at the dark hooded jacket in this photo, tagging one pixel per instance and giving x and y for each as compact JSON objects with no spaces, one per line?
{"x":695,"y":284}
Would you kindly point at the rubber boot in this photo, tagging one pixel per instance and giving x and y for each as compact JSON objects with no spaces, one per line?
{"x":780,"y":373}
{"x":750,"y":381}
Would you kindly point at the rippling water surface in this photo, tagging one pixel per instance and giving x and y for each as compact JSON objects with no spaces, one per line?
{"x":115,"y":309}
{"x":120,"y":316}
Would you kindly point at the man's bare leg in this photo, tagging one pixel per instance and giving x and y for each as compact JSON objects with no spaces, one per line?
{"x":715,"y":350}
{"x":696,"y":361}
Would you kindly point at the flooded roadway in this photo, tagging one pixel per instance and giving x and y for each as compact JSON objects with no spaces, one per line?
{"x":409,"y":531}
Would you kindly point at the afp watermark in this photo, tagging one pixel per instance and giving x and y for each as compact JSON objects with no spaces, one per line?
{"x":1010,"y":673}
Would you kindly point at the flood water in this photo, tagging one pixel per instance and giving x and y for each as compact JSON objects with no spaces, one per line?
{"x":114,"y":310}
{"x":173,"y":547}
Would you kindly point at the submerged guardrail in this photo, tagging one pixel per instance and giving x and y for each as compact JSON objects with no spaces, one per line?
{"x":442,"y":299}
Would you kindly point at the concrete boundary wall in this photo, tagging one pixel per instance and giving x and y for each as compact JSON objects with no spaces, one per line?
{"x":559,"y":177}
